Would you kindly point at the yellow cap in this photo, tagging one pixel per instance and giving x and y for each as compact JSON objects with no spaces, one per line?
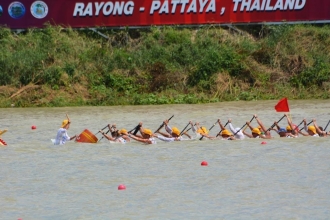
{"x":312,"y":129}
{"x":205,"y":130}
{"x":226,"y":132}
{"x":202,"y":130}
{"x":175,"y":131}
{"x":123,"y":131}
{"x":256,"y":131}
{"x":288,"y":128}
{"x":64,"y":123}
{"x":147,"y":131}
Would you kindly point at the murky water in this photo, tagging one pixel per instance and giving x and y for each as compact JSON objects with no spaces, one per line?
{"x":284,"y":179}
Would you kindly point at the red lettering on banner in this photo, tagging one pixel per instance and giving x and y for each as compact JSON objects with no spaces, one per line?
{"x":106,"y":8}
{"x":268,"y":5}
{"x":187,"y":6}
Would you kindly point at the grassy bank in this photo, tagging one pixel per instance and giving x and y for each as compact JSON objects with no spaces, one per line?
{"x":64,"y":67}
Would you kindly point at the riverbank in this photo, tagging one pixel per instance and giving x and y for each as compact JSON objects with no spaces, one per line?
{"x":65,"y":67}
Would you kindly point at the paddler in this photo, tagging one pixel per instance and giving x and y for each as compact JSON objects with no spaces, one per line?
{"x":311,"y":130}
{"x":202,"y":131}
{"x":236,"y":131}
{"x":226,"y":134}
{"x":321,"y":132}
{"x":282,"y":132}
{"x":263,"y":130}
{"x":113,"y":130}
{"x":62,"y":134}
{"x":122,"y":136}
{"x":291,"y":128}
{"x":173,"y":134}
{"x":257,"y":132}
{"x":146,"y":136}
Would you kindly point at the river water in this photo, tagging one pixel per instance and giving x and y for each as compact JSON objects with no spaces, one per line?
{"x":283,"y":179}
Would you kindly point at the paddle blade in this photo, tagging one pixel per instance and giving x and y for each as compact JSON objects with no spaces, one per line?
{"x":137,"y":129}
{"x":282,"y":105}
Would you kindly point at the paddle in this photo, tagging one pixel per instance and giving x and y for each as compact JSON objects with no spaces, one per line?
{"x":106,"y":132}
{"x":187,"y":130}
{"x":163,"y":124}
{"x":221,"y":129}
{"x":101,"y":129}
{"x":306,"y":125}
{"x":244,"y":126}
{"x":184,"y":128}
{"x":300,"y":124}
{"x":67,"y":117}
{"x":135,"y":128}
{"x":326,"y":126}
{"x":103,"y":135}
{"x":275,"y":124}
{"x":209,"y":129}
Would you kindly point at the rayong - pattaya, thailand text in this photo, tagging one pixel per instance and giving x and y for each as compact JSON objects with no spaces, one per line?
{"x":183,"y":6}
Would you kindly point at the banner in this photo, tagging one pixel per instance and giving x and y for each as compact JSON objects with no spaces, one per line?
{"x":134,"y":13}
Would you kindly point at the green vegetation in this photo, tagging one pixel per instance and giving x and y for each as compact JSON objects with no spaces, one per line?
{"x":65,"y":67}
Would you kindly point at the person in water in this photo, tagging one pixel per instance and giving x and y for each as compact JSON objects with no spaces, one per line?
{"x":311,"y":130}
{"x":257,"y":132}
{"x":283,"y":132}
{"x":173,"y":133}
{"x":203,"y":132}
{"x":113,"y":130}
{"x":236,"y":131}
{"x":120,"y":136}
{"x":62,"y":134}
{"x":320,"y":131}
{"x":146,"y":136}
{"x":226,"y":134}
{"x":292,"y":128}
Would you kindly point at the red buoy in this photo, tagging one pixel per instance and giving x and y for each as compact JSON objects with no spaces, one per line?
{"x":33,"y":127}
{"x":204,"y":163}
{"x":121,"y":187}
{"x":264,"y":142}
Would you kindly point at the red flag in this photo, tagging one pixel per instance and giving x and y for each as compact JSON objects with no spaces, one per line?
{"x":282,"y":105}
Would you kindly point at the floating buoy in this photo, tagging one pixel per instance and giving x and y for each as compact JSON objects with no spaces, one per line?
{"x":33,"y":127}
{"x":264,"y":142}
{"x":121,"y":187}
{"x":204,"y":163}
